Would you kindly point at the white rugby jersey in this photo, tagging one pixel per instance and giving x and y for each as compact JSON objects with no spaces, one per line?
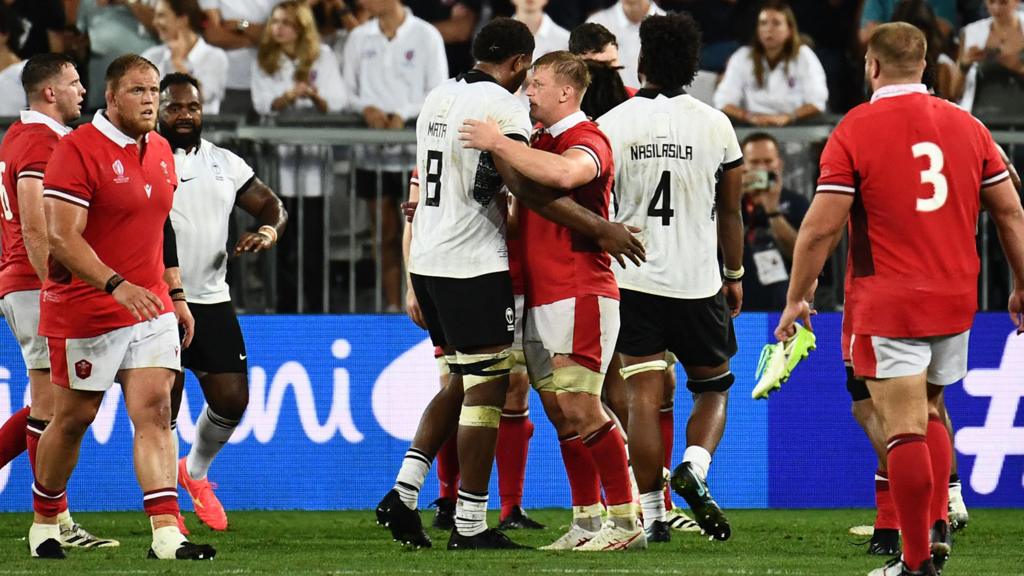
{"x":209,"y":180}
{"x":459,"y":228}
{"x":669,"y":148}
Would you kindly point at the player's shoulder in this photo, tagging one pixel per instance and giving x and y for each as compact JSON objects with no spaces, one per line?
{"x":587,"y":130}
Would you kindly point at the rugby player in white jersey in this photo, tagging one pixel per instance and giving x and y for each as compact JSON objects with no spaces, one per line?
{"x":677,"y":178}
{"x":212,"y":181}
{"x":459,"y":269}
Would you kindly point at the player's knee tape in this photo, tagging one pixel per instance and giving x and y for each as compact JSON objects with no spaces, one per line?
{"x":670,"y":360}
{"x":545,"y":384}
{"x":627,"y":371}
{"x":577,"y":379}
{"x":444,"y":364}
{"x":719,"y":383}
{"x":480,"y":416}
{"x":479,"y":368}
{"x":518,"y":361}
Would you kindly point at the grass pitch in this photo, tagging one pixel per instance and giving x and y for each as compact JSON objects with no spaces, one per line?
{"x":791,"y":542}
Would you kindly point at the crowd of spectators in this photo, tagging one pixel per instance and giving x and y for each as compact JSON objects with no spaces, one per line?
{"x":764,"y":63}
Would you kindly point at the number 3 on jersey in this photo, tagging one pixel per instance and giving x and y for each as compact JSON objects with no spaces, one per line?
{"x":931,"y":175}
{"x":661,"y":202}
{"x":433,"y":180}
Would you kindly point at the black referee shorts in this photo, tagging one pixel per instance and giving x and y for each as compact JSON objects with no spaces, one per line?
{"x":217,"y":347}
{"x":467,"y":313}
{"x":699,"y":331}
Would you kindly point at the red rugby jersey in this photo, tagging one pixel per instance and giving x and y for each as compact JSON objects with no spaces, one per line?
{"x":915,"y":165}
{"x":558,"y":263}
{"x":128,"y":197}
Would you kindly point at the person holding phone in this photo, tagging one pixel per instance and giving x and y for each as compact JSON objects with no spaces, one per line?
{"x":771,"y":217}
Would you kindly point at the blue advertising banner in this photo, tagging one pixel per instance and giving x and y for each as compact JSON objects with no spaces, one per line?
{"x":335,"y":400}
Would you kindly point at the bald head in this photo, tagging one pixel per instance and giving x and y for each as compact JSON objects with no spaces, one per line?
{"x":896,"y":53}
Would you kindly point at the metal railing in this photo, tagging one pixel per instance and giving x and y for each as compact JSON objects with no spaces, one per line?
{"x":338,"y":269}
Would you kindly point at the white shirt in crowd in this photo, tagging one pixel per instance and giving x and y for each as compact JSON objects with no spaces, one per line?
{"x":394,"y":75}
{"x":209,"y":180}
{"x":459,"y":229}
{"x":206,"y":63}
{"x":240,"y":60}
{"x":976,"y":36}
{"x":627,"y":34}
{"x":325,"y":76}
{"x":786,"y":88}
{"x":12,"y":95}
{"x":550,"y":37}
{"x":668,"y":148}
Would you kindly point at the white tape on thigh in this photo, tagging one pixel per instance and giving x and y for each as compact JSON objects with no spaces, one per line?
{"x":635,"y":369}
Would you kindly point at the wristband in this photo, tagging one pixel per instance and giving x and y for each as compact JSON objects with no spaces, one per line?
{"x":113,"y":282}
{"x":771,"y":215}
{"x":269,"y":232}
{"x":177,"y":294}
{"x":732,"y":275}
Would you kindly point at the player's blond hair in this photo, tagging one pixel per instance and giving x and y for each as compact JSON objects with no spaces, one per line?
{"x":900,"y":49}
{"x":568,"y":68}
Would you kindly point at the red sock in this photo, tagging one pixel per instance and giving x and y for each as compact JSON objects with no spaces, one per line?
{"x":160,"y":502}
{"x":910,"y":481}
{"x":609,"y":452}
{"x":448,"y":470}
{"x":886,"y":518}
{"x":12,"y":436}
{"x":514,"y":435}
{"x":584,"y":483}
{"x":666,"y":420}
{"x":941,"y":451}
{"x":47,"y":502}
{"x":33,"y":431}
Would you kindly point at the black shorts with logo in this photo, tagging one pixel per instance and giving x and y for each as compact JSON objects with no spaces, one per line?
{"x":217,"y":347}
{"x":467,"y":313}
{"x":699,"y":331}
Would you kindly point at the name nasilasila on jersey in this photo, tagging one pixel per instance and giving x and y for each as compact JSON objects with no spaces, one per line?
{"x":437,"y":129}
{"x":664,"y":150}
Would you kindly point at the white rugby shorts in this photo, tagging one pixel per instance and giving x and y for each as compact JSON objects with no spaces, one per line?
{"x":585,"y":328}
{"x":21,"y":310}
{"x":91,"y":364}
{"x":944,"y":358}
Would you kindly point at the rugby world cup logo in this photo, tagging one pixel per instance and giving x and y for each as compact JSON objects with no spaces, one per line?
{"x":119,"y":176}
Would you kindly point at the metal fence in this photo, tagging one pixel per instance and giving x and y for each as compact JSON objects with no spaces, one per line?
{"x":330,"y":259}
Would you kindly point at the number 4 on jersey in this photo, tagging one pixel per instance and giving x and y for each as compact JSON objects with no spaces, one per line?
{"x":661,"y":203}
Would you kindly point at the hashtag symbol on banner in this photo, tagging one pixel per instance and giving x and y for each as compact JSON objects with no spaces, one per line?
{"x":997,"y":438}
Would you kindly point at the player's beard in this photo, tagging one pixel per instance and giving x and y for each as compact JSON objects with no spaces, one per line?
{"x":182,"y":140}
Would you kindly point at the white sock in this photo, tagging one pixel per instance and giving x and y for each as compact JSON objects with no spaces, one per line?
{"x":623,"y":516}
{"x":699,"y":459}
{"x":410,"y":479}
{"x":587,"y":517}
{"x":653,"y":505}
{"x":40,"y":533}
{"x":212,"y":433}
{"x":471,"y":513}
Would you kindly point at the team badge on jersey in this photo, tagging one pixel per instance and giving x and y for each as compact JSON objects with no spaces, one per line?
{"x":83,"y":369}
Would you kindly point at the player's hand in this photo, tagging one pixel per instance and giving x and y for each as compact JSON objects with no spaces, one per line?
{"x":787,"y":322}
{"x":1016,"y":308}
{"x":733,"y":292}
{"x":254,"y":242}
{"x":143,"y":304}
{"x":480,"y":134}
{"x":620,"y":240}
{"x":186,"y":321}
{"x":409,"y":210}
{"x":412,"y":308}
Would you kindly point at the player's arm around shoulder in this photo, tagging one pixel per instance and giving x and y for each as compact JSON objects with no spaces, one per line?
{"x":564,"y":172}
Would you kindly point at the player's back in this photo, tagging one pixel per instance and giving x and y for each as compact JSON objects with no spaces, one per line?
{"x":24,"y":152}
{"x":915,"y":165}
{"x":459,"y":228}
{"x":669,"y":149}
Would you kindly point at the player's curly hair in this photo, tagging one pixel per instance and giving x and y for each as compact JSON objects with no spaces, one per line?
{"x":501,"y":39}
{"x":669,"y":50}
